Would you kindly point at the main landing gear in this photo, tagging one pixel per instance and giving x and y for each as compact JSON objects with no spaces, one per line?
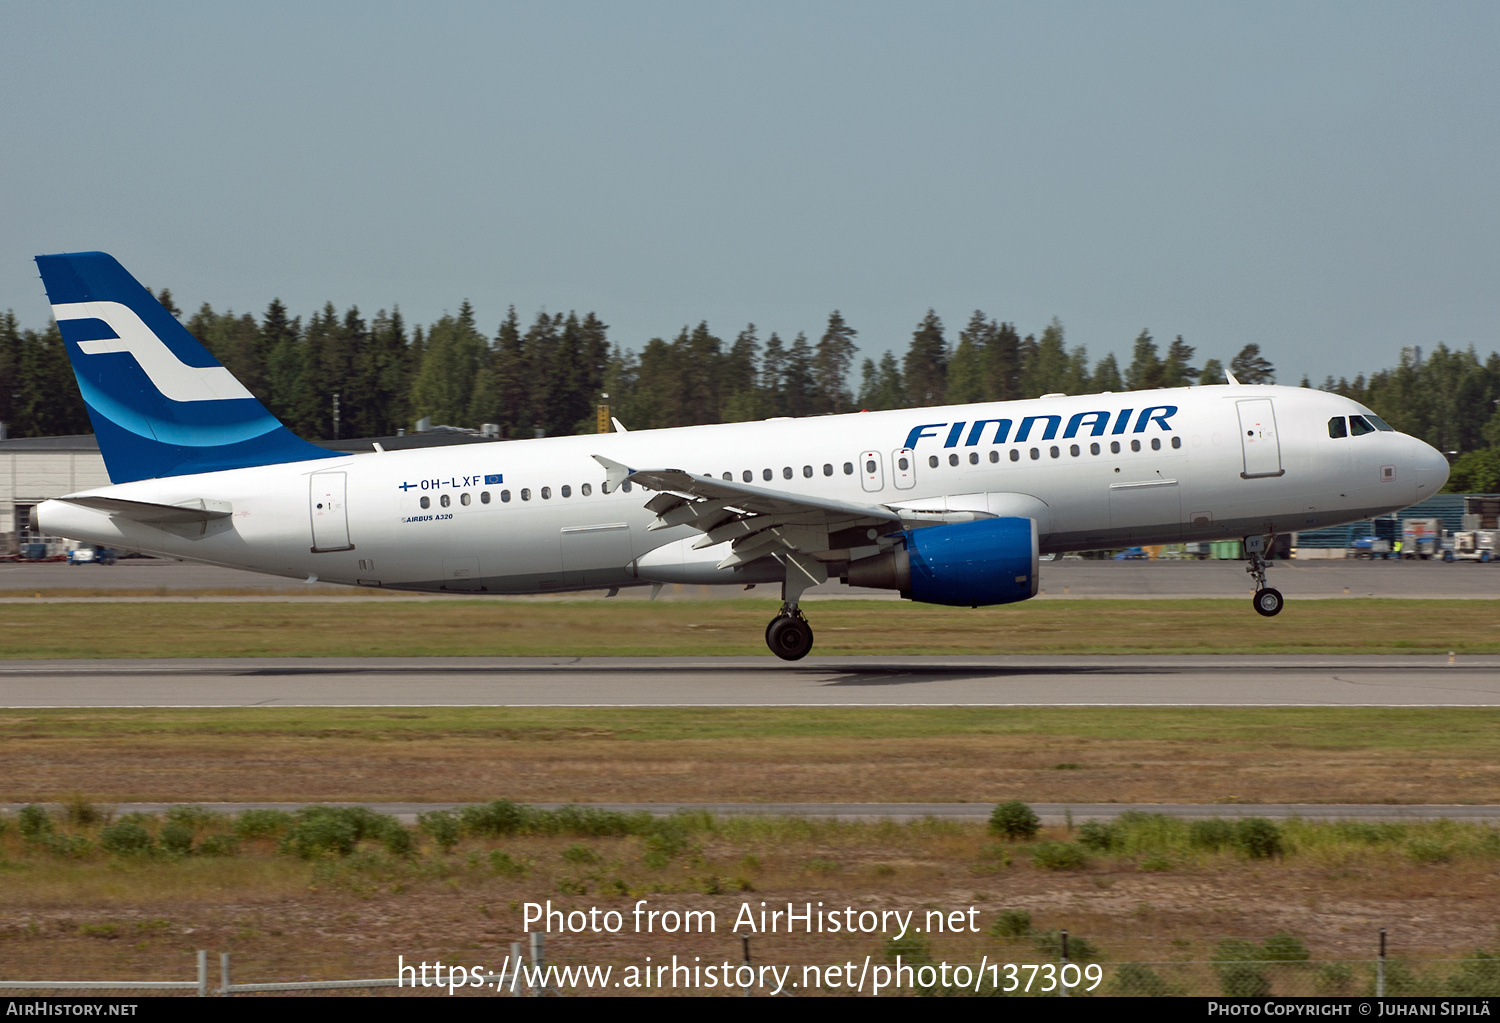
{"x":1267,"y":600}
{"x":789,"y":636}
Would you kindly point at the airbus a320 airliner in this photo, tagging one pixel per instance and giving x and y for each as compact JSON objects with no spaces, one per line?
{"x":950,"y":505}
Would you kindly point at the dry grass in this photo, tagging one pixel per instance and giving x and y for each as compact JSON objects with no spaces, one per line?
{"x":600,"y":627}
{"x":1295,"y":755}
{"x":282,"y":917}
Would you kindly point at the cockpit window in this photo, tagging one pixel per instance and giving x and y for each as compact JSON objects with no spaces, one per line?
{"x":1359,"y":426}
{"x":1380,"y":424}
{"x":1336,"y":427}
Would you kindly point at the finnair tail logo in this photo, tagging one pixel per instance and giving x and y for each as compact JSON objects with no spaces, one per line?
{"x":173,"y":378}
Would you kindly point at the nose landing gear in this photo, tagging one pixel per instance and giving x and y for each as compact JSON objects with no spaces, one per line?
{"x":1267,"y":600}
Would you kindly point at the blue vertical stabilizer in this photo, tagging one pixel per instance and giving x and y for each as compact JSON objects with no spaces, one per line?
{"x":161,"y":405}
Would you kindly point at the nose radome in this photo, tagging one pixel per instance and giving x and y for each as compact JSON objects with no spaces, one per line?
{"x":1430,"y":468}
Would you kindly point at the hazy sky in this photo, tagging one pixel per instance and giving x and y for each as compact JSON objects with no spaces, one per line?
{"x":1320,"y":178}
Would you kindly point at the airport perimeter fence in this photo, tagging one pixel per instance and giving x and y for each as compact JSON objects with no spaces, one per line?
{"x":1042,"y":965}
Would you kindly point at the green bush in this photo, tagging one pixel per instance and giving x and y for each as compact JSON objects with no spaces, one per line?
{"x":1059,"y":856}
{"x":68,"y":847}
{"x":1477,"y":977}
{"x":442,"y":827}
{"x":1011,"y":923}
{"x":192,"y":816}
{"x":315,"y":831}
{"x":1140,"y":981}
{"x":398,"y":841}
{"x":80,"y":813}
{"x":125,"y":838}
{"x":1333,"y":979}
{"x":34,"y":822}
{"x":176,"y":838}
{"x":494,"y":820}
{"x":910,"y":947}
{"x":580,"y":853}
{"x":505,"y":865}
{"x":1080,"y":949}
{"x":1428,"y":850}
{"x":1157,"y":863}
{"x":1015,"y":821}
{"x":1097,"y":836}
{"x":1240,"y":970}
{"x":262,"y":823}
{"x":219,"y":845}
{"x":1212,"y":835}
{"x":1285,"y":947}
{"x":1368,"y":832}
{"x":1257,"y":838}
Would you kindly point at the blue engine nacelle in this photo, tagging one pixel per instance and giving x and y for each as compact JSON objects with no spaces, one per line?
{"x":966,"y":564}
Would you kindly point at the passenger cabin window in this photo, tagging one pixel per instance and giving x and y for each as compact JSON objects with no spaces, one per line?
{"x":1135,"y":445}
{"x":525,"y":493}
{"x":1155,"y":443}
{"x":848,"y":468}
{"x":1336,"y":428}
{"x":952,"y":459}
{"x":1177,"y":442}
{"x":1114,"y":447}
{"x":932,"y":461}
{"x":870,"y":466}
{"x":1075,"y":451}
{"x":626,"y":486}
{"x":567,"y":491}
{"x":1015,"y":454}
{"x":463,"y":499}
{"x":1093,"y":449}
{"x":588,"y":488}
{"x":807,"y":471}
{"x":903,"y":463}
{"x":1035,"y":454}
{"x":1053,"y":451}
{"x":994,"y":455}
{"x":766,"y":474}
{"x":546,"y":493}
{"x":786,"y":472}
{"x":973,"y":458}
{"x":505,"y":497}
{"x":827,"y":468}
{"x":747,"y":475}
{"x":445,"y":501}
{"x":484,"y":497}
{"x":426,"y":501}
{"x":1359,"y":426}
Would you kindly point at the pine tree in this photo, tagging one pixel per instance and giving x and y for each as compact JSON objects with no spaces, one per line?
{"x":1213,"y":373}
{"x":1145,"y":371}
{"x":1249,"y":367}
{"x":1002,"y":362}
{"x":800,"y":387}
{"x":10,"y":365}
{"x":1176,"y":369}
{"x":881,"y":386}
{"x":831,"y":365}
{"x":1107,"y":375}
{"x":1047,"y":371}
{"x":773,"y":377}
{"x":742,"y":397}
{"x":925,"y":368}
{"x":280,"y":346}
{"x":966,"y":369}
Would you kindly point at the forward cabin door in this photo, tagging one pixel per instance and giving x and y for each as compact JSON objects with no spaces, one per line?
{"x":1258,"y":438}
{"x":330,"y":517}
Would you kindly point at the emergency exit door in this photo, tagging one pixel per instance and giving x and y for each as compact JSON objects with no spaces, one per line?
{"x":330,"y":519}
{"x":1258,"y":438}
{"x":871,"y":471}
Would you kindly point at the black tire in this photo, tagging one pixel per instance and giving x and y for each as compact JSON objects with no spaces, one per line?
{"x":789,"y":638}
{"x":1267,"y":602}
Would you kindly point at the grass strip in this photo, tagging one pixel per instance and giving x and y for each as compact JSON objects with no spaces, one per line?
{"x":632,"y":628}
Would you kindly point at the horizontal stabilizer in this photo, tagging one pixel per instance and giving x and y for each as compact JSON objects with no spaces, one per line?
{"x":198,"y":511}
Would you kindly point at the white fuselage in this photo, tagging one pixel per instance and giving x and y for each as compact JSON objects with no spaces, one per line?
{"x":544,"y":522}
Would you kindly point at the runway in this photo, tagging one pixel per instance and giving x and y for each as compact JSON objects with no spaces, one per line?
{"x":1227,"y":681}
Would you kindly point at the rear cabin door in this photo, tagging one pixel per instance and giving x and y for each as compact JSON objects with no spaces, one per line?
{"x":1258,"y":438}
{"x":871,"y":471}
{"x":904,"y":469}
{"x":330,"y":518}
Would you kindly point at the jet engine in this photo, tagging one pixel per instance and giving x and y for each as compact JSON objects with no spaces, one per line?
{"x":964,"y":564}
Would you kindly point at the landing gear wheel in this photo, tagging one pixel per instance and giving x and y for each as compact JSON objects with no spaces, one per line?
{"x":789,"y":638}
{"x":1267,"y":602}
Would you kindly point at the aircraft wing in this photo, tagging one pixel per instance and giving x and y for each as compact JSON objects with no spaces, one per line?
{"x":758,"y":521}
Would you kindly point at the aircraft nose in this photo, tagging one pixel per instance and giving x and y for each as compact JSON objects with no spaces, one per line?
{"x":1430,"y":468}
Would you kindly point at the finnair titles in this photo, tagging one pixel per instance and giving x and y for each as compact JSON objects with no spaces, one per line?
{"x":950,"y":505}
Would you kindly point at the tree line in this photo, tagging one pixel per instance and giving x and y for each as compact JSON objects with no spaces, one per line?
{"x":345,"y":375}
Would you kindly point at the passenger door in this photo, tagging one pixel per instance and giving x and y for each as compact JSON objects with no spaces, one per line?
{"x":330,"y":518}
{"x":1258,"y":438}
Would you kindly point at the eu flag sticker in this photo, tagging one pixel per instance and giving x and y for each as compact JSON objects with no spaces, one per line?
{"x":490,"y":481}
